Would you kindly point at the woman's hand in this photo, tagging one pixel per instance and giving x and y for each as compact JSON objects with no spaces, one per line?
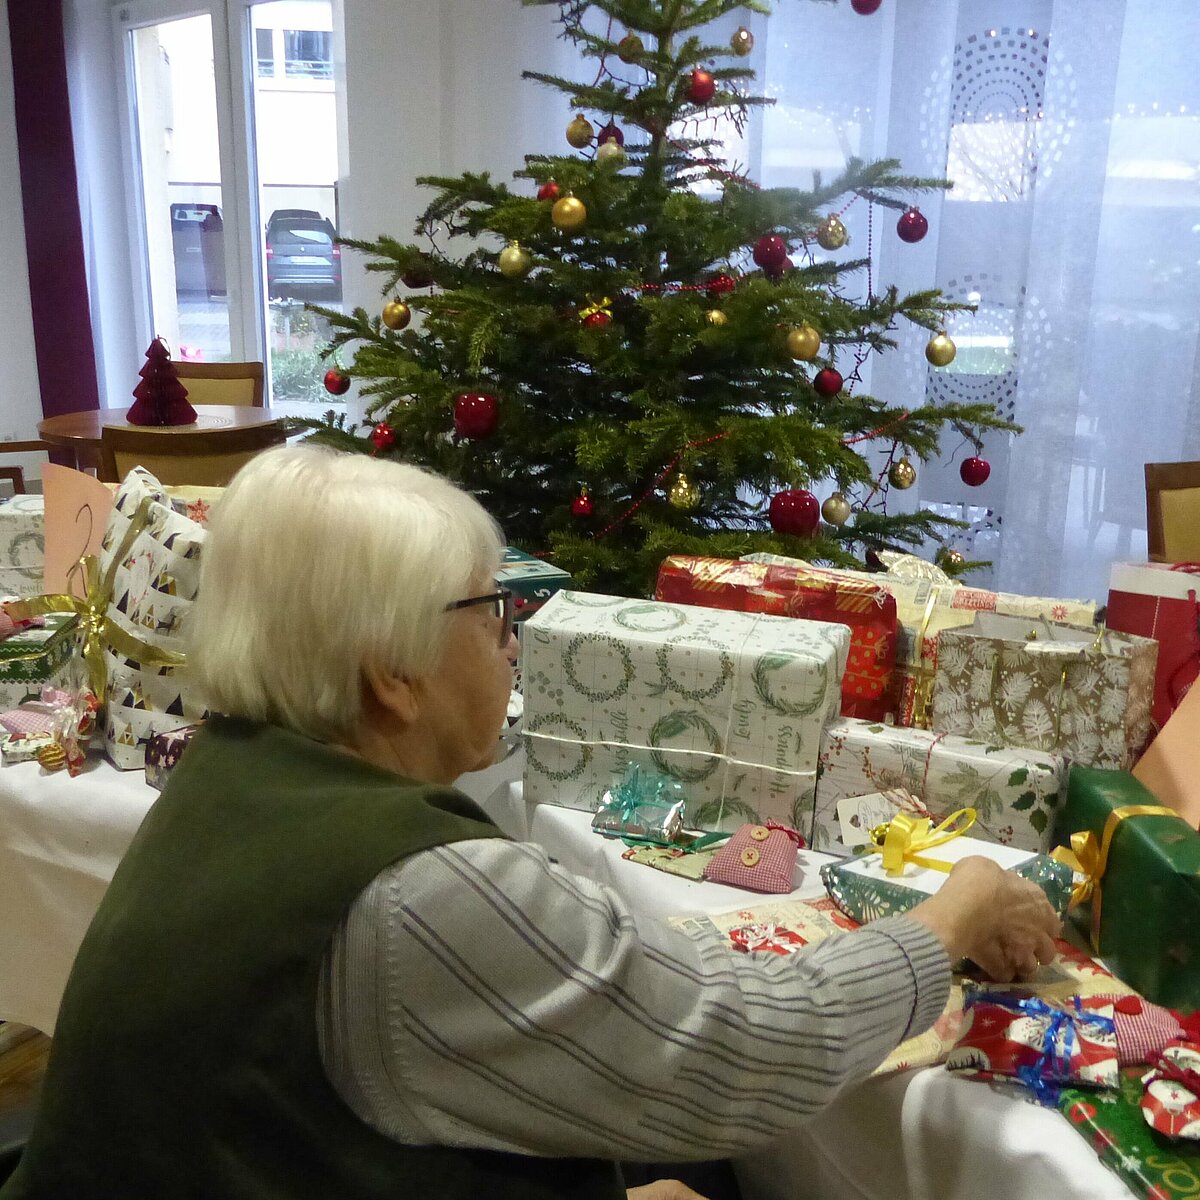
{"x":998,"y":920}
{"x":663,"y":1189}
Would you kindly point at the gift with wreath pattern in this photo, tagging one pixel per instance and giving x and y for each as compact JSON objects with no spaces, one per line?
{"x":729,"y":704}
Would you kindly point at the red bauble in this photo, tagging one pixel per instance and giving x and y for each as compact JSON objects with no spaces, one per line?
{"x":336,"y":382}
{"x":974,"y":471}
{"x":912,"y":226}
{"x":865,"y":8}
{"x":383,"y":436}
{"x":549,"y":190}
{"x":779,"y":270}
{"x":827,"y":382}
{"x":597,"y":320}
{"x":610,"y":133}
{"x":796,"y":512}
{"x":721,"y":285}
{"x":581,"y":506}
{"x":702,"y":87}
{"x":476,"y":414}
{"x":770,"y":252}
{"x":419,"y":275}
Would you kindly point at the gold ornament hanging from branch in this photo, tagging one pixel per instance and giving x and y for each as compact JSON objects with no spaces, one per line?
{"x":396,"y":314}
{"x":832,"y":234}
{"x":580,"y":132}
{"x":715,"y":316}
{"x":569,"y":214}
{"x":836,"y":510}
{"x":683,"y":494}
{"x":514,"y":261}
{"x":947,"y":557}
{"x":803,"y":343}
{"x":742,"y":41}
{"x":941,"y":350}
{"x":902,"y":474}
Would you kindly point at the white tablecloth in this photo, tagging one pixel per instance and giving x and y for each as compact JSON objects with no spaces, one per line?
{"x":922,"y":1134}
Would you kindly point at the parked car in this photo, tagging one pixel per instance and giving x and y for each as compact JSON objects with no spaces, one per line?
{"x":302,"y":257}
{"x":198,"y":242}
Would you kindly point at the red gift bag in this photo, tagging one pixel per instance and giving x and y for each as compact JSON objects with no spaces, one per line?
{"x":1159,"y":600}
{"x":811,"y":594}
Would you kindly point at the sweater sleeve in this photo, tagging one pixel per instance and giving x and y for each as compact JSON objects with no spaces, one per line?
{"x":478,"y":995}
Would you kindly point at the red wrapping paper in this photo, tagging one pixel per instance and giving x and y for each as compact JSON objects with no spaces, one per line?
{"x":868,"y":610}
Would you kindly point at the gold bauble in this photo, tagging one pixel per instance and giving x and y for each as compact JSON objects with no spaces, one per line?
{"x":630,"y":49}
{"x":52,"y":757}
{"x":683,"y":494}
{"x":941,"y":350}
{"x":715,"y":316}
{"x":950,"y":558}
{"x":568,"y":214}
{"x":611,"y":151}
{"x":832,"y":235}
{"x":902,"y":474}
{"x":836,"y":510}
{"x":580,"y":132}
{"x":803,"y":342}
{"x":514,"y":261}
{"x":742,"y":42}
{"x":396,"y":314}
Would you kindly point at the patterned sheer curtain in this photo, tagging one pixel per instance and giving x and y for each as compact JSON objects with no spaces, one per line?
{"x":1072,"y":136}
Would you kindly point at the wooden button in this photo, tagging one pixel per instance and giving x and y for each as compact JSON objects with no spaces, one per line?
{"x":750,"y":857}
{"x":760,"y":833}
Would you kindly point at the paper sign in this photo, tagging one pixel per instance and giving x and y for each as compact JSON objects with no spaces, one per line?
{"x":77,"y":508}
{"x":858,"y":815}
{"x":1168,"y":768}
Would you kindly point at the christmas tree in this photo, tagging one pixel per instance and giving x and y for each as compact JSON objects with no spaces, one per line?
{"x":635,"y":351}
{"x":160,"y":399}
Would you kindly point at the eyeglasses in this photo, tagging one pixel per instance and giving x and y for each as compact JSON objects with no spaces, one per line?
{"x":502,"y":609}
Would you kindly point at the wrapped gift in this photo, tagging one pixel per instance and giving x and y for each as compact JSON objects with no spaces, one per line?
{"x":1138,"y":892}
{"x":36,"y":657}
{"x":164,"y":752}
{"x":1153,"y":1166}
{"x":926,"y":606}
{"x":1048,"y":687}
{"x":729,"y":704}
{"x":892,"y":879}
{"x":645,"y":805}
{"x":1171,"y":1101}
{"x":24,"y":747}
{"x":793,"y":591}
{"x":1039,"y":1042}
{"x":1014,"y":792}
{"x":22,"y":545}
{"x":1159,"y":601}
{"x":532,"y":581}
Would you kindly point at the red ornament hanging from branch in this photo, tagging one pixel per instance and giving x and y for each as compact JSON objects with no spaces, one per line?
{"x":912,"y":226}
{"x":160,"y":399}
{"x":796,"y":512}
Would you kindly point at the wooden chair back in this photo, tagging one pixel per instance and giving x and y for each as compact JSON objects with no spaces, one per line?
{"x":199,"y":457}
{"x":239,"y":383}
{"x":16,"y":475}
{"x":1173,"y":511}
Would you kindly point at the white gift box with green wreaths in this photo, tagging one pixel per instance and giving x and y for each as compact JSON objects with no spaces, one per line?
{"x":731,"y":704}
{"x":22,"y":545}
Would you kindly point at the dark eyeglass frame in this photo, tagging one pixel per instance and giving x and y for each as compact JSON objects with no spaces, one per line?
{"x":505,"y":610}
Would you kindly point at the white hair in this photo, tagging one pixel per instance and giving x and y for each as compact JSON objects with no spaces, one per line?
{"x":318,"y":564}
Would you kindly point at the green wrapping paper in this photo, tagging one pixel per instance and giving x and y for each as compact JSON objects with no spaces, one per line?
{"x":532,"y":581}
{"x":35,"y":657}
{"x":1153,"y":1166}
{"x":1149,"y":895}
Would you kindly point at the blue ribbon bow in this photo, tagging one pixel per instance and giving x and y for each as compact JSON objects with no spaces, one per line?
{"x":644,"y":805}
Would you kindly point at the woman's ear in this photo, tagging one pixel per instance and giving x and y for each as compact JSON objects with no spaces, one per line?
{"x":397,"y":696}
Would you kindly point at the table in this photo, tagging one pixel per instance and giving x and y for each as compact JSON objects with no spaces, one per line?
{"x":80,"y":432}
{"x":921,"y":1135}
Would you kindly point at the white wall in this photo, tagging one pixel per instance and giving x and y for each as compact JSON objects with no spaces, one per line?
{"x":20,"y":398}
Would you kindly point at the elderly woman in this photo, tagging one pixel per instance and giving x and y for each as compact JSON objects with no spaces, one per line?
{"x":320,"y":971}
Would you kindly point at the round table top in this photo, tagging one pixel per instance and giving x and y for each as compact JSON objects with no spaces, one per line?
{"x":83,"y":428}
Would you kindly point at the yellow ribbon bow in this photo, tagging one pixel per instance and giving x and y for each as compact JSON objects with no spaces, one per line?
{"x":98,"y":628}
{"x":906,"y":837}
{"x":1088,"y":856}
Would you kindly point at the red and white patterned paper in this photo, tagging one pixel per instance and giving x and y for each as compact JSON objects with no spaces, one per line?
{"x":1170,"y":1106}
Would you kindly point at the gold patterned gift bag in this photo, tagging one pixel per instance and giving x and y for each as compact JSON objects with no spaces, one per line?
{"x":1047,"y":687}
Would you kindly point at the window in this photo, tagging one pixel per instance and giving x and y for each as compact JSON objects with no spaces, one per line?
{"x":264,"y":52}
{"x":307,"y":53}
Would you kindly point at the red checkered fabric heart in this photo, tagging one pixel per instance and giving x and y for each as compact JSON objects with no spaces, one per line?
{"x":1143,"y":1029}
{"x":760,"y":858}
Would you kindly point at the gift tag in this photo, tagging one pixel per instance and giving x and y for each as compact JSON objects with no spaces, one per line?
{"x":858,"y":815}
{"x":1171,"y":1106}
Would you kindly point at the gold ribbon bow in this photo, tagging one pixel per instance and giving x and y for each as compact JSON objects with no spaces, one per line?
{"x":99,"y":629}
{"x":1088,"y":856}
{"x":906,"y":837}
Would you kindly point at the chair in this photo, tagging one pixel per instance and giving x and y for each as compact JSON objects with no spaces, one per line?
{"x":200,"y":457}
{"x":1173,"y":511}
{"x":15,"y":475}
{"x":238,"y":383}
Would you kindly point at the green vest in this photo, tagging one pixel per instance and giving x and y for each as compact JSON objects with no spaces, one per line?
{"x":185,"y":1062}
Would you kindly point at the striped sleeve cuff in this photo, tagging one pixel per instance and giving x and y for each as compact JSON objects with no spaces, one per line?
{"x":930,"y":966}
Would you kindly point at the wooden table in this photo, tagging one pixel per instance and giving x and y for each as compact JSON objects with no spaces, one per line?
{"x":80,"y":432}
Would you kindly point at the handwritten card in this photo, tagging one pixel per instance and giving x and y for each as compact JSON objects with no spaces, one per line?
{"x":77,"y":508}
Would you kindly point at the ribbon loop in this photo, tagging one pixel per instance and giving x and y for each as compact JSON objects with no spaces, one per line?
{"x":906,"y":837}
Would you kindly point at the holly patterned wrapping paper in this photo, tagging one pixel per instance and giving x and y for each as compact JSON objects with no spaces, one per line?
{"x":926,"y":608}
{"x":1047,"y":687}
{"x":1154,"y":1167}
{"x":1149,"y":897}
{"x":792,"y":591}
{"x":729,"y":704}
{"x":22,"y":545}
{"x":1014,"y":792}
{"x":864,"y":891}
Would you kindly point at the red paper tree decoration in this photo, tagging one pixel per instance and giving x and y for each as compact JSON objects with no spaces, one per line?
{"x":160,"y":399}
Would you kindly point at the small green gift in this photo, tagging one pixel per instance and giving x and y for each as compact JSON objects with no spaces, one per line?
{"x":1138,"y":883}
{"x":34,"y":657}
{"x":531,"y":580}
